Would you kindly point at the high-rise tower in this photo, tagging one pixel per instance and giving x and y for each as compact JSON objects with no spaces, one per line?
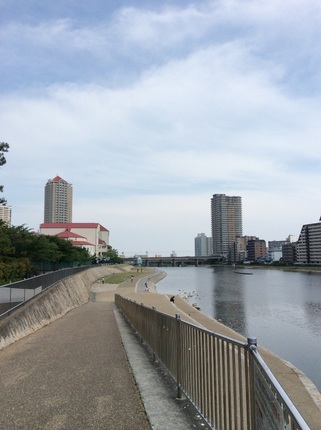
{"x":58,"y":201}
{"x":226,"y":214}
{"x":5,"y":214}
{"x":203,"y":245}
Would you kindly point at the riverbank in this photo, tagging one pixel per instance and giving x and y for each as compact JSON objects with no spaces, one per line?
{"x":300,"y":389}
{"x":303,"y":269}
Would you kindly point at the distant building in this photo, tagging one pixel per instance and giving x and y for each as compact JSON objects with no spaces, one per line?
{"x":203,"y":245}
{"x":291,"y":238}
{"x":91,"y":236}
{"x":275,"y":249}
{"x":5,"y":214}
{"x":256,"y":249}
{"x":238,"y":249}
{"x":226,"y":220}
{"x":308,"y":250}
{"x":289,"y":252}
{"x":58,"y":201}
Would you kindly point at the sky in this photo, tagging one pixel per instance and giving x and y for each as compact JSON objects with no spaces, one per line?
{"x":148,"y":108}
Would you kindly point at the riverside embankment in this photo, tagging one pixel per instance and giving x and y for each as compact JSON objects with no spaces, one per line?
{"x":300,"y":389}
{"x":52,"y":303}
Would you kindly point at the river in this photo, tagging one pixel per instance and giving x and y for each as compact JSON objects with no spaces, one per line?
{"x":282,"y":309}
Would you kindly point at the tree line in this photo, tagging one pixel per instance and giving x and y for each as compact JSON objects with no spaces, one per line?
{"x":24,"y":253}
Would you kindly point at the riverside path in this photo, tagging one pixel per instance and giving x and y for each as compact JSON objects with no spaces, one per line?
{"x":71,"y":374}
{"x":88,"y":370}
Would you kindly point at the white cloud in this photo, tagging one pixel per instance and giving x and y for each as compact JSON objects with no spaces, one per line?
{"x":145,"y":156}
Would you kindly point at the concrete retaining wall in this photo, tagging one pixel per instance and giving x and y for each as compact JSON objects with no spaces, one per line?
{"x":51,"y":304}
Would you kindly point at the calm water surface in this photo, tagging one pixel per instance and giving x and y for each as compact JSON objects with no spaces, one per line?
{"x":281,"y":309}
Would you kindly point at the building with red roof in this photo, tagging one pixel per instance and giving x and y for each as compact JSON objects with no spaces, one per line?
{"x":92,"y":236}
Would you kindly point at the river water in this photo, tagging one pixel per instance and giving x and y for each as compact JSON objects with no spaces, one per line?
{"x":282,"y":309}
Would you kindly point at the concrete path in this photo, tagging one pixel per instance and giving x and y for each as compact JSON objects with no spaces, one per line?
{"x":88,"y":370}
{"x":71,"y":374}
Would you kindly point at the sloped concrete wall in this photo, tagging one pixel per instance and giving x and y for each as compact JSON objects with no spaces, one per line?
{"x":51,"y":304}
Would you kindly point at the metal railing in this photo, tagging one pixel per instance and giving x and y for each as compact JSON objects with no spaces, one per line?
{"x":15,"y":294}
{"x":227,"y":381}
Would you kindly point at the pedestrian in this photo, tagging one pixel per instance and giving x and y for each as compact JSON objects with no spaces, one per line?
{"x":132,"y":278}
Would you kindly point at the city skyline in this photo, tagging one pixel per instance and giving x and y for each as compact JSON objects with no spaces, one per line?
{"x":150,"y":109}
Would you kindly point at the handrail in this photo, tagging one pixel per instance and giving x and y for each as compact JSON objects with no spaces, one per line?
{"x":40,"y":282}
{"x":297,"y":420}
{"x":227,"y":380}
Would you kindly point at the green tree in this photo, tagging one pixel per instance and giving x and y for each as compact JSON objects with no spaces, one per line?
{"x":44,"y":249}
{"x":112,"y":256}
{"x":23,"y":253}
{"x":4,"y":147}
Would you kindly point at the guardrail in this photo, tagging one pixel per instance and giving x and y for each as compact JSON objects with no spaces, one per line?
{"x":15,"y":294}
{"x":227,"y":381}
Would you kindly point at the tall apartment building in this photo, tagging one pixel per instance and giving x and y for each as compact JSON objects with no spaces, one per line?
{"x":58,"y":201}
{"x":226,"y":214}
{"x":203,"y":245}
{"x":308,"y":247}
{"x":5,"y":214}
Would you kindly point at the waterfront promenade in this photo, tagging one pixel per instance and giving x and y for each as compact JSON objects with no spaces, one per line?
{"x":299,"y":388}
{"x":71,"y":374}
{"x":87,"y":370}
{"x":77,"y":373}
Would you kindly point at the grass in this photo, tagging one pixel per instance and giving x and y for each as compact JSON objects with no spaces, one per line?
{"x":118,"y":278}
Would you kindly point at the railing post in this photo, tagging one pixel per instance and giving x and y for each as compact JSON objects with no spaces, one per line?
{"x":252,"y":343}
{"x":154,"y":353}
{"x":178,"y":356}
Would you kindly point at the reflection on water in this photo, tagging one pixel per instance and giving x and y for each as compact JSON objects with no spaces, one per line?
{"x":281,"y":309}
{"x":228,"y":300}
{"x":313,"y":316}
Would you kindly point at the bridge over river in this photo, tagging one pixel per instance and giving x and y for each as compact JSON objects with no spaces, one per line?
{"x":176,"y":261}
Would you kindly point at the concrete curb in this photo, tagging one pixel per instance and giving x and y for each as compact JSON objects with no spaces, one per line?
{"x":156,"y":387}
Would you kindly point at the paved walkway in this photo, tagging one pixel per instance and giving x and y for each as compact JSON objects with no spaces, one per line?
{"x":71,"y":374}
{"x":88,"y":370}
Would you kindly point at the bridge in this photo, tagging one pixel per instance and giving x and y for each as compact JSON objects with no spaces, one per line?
{"x":176,"y":261}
